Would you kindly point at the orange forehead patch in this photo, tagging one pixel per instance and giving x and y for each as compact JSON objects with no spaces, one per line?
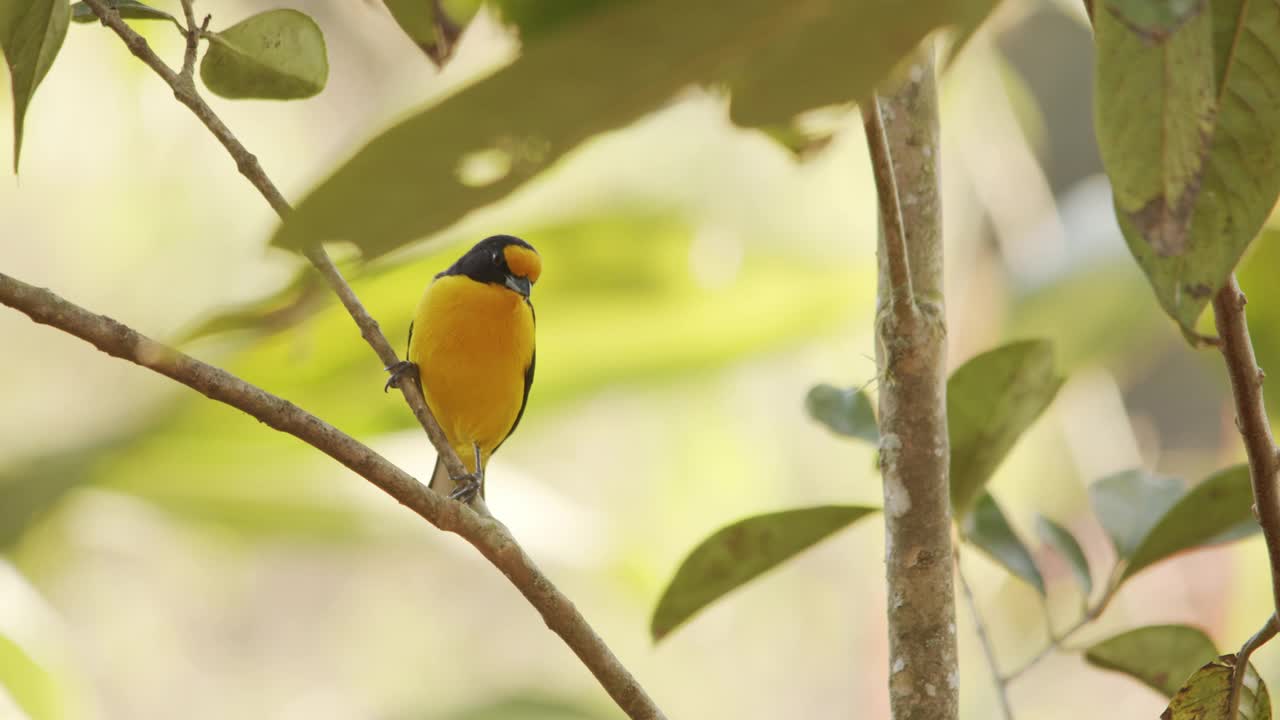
{"x":523,"y":262}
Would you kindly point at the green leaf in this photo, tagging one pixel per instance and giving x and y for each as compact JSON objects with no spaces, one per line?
{"x":1061,"y":540}
{"x":31,"y":33}
{"x":987,"y":529}
{"x":276,"y":55}
{"x":568,"y":86}
{"x":1151,"y":518}
{"x":845,"y":411}
{"x":128,"y":9}
{"x":1206,"y":694}
{"x":33,"y":688}
{"x":1129,"y":504}
{"x":991,"y":401}
{"x":433,"y":26}
{"x":1162,"y":657}
{"x":1216,"y":511}
{"x":1186,"y":109}
{"x":740,"y":552}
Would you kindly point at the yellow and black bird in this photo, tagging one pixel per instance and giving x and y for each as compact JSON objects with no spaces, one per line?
{"x":471,"y":343}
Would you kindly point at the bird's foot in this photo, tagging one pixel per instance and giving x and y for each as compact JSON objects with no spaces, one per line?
{"x":467,"y":488}
{"x":469,"y":485}
{"x":397,"y":371}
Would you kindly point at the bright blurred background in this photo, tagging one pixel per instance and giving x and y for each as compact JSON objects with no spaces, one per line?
{"x":169,"y":557}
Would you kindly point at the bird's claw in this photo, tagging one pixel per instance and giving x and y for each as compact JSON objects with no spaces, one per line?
{"x":397,"y":371}
{"x":468,"y":486}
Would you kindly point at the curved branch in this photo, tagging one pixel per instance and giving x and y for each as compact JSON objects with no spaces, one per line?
{"x":487,"y":535}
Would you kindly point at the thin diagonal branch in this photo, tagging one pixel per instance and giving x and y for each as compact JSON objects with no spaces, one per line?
{"x":490,"y":537}
{"x":487,"y":535}
{"x":248,"y":165}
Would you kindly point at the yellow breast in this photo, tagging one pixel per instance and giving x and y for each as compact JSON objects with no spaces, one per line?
{"x":473,"y":343}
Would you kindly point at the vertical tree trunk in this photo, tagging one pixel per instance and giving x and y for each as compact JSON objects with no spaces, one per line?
{"x":911,"y":353}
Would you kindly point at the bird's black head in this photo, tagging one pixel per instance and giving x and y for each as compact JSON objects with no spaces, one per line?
{"x":500,"y":260}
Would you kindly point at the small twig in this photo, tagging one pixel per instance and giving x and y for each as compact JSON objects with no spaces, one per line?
{"x":1251,"y":418}
{"x":192,"y":33}
{"x":1058,"y":641}
{"x":248,"y":165}
{"x":1259,"y":639}
{"x":988,"y":648}
{"x":903,"y":298}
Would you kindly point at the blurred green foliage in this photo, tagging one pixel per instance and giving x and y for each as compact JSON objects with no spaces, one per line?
{"x":598,"y":66}
{"x":619,"y":302}
{"x":34,"y":689}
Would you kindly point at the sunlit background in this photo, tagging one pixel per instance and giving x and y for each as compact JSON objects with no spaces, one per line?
{"x":169,"y":557}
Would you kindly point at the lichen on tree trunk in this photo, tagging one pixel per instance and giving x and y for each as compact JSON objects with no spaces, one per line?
{"x":914,"y":451}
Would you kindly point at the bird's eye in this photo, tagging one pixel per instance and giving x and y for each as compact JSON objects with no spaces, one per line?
{"x":497,"y":259}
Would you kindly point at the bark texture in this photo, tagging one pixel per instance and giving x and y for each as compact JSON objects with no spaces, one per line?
{"x":915,"y":453}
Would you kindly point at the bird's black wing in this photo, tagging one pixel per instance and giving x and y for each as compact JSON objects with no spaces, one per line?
{"x":528,"y":383}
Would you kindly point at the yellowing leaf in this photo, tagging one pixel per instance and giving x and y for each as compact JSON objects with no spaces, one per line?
{"x":1205,"y":695}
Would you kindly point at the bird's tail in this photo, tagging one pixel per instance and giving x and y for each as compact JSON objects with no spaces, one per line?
{"x":440,"y":480}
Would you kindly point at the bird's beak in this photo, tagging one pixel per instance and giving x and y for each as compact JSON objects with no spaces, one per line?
{"x":519,"y":284}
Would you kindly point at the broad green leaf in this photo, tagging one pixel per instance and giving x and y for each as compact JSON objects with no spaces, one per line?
{"x":987,"y":529}
{"x":1185,"y":114}
{"x":31,"y":33}
{"x":432,"y":25}
{"x":736,"y":554}
{"x":596,"y":71}
{"x":1205,"y":695}
{"x":128,"y":9}
{"x":991,"y":401}
{"x":1162,"y":657}
{"x":1061,"y":540}
{"x":36,"y":691}
{"x":276,"y":55}
{"x":845,"y":411}
{"x":1129,"y":504}
{"x":1218,"y":510}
